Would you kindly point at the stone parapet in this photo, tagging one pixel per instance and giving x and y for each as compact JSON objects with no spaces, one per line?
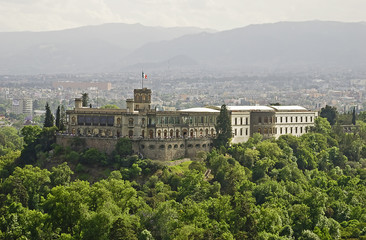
{"x":155,"y":149}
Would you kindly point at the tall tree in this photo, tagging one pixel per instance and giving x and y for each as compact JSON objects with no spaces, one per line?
{"x":354,"y":116}
{"x":58,"y":117}
{"x":223,"y":128}
{"x":85,"y":99}
{"x":62,"y":118}
{"x":330,"y":113}
{"x":49,"y":119}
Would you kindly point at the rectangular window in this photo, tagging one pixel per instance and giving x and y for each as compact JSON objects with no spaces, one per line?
{"x":241,"y":132}
{"x":291,"y":119}
{"x":246,"y":131}
{"x":286,"y":119}
{"x":246,"y":121}
{"x":300,"y":119}
{"x":236,"y":132}
{"x":296,"y":130}
{"x":295,"y":119}
{"x":306,"y":119}
{"x":236,"y":121}
{"x":241,"y":121}
{"x":311,"y":119}
{"x":280,"y":130}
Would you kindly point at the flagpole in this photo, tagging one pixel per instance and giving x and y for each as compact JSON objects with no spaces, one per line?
{"x":142,"y":79}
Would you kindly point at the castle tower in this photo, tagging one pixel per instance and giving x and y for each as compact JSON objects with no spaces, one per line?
{"x":142,"y":99}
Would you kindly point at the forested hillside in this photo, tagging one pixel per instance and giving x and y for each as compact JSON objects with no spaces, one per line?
{"x":311,"y":187}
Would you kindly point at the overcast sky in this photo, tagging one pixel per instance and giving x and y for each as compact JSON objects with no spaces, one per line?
{"x":44,"y":15}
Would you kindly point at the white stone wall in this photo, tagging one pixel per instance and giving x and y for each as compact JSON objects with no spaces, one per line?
{"x":240,"y":124}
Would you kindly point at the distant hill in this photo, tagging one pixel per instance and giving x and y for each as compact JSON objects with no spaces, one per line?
{"x":284,"y":45}
{"x":85,"y":49}
{"x":290,"y":46}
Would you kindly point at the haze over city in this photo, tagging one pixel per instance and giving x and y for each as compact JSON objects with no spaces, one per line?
{"x":46,"y":15}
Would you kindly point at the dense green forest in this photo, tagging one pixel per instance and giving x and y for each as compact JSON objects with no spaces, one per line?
{"x":308,"y":187}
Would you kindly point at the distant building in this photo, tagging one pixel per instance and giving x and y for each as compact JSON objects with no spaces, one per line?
{"x":169,"y":135}
{"x":83,"y":85}
{"x":22,"y":106}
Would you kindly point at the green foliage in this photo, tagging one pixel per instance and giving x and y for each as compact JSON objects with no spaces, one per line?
{"x":330,"y":113}
{"x":9,"y":140}
{"x":49,"y":118}
{"x":30,"y":133}
{"x":223,"y":128}
{"x":110,"y":106}
{"x":124,"y":147}
{"x":308,"y":187}
{"x":85,"y":99}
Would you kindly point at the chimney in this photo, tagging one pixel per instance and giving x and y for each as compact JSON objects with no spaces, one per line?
{"x":78,"y":103}
{"x":130,"y":105}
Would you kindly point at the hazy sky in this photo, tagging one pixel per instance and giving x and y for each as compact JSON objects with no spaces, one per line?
{"x":43,"y":15}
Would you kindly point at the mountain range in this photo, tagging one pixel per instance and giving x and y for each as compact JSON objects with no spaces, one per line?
{"x":290,"y":46}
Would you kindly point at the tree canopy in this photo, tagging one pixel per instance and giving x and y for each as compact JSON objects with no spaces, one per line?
{"x":223,"y":128}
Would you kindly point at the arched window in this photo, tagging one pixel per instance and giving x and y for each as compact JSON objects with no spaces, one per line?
{"x":171,"y":133}
{"x":130,"y":121}
{"x":151,"y":134}
{"x":130,"y":133}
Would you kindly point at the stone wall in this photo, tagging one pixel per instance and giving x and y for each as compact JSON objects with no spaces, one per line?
{"x":156,"y":149}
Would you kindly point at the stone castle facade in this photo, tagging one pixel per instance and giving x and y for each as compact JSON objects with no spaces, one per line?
{"x":167,"y":135}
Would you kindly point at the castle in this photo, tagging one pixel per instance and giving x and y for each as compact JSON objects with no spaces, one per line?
{"x":167,"y":135}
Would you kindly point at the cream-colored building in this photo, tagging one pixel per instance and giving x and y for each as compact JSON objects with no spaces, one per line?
{"x":174,"y":134}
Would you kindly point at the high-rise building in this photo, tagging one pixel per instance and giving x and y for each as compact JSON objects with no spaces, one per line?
{"x":22,"y":106}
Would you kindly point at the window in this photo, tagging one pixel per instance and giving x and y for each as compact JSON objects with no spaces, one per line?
{"x":130,"y":121}
{"x":280,"y":130}
{"x":241,"y":132}
{"x":280,"y":119}
{"x":265,"y":119}
{"x":311,"y":119}
{"x":295,"y":119}
{"x":300,"y":119}
{"x":236,"y":121}
{"x":291,"y":119}
{"x":286,"y":119}
{"x":306,"y":119}
{"x":241,"y":121}
{"x":296,"y":130}
{"x":246,"y":121}
{"x":260,"y":119}
{"x":300,"y":129}
{"x":236,"y":132}
{"x":246,"y":131}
